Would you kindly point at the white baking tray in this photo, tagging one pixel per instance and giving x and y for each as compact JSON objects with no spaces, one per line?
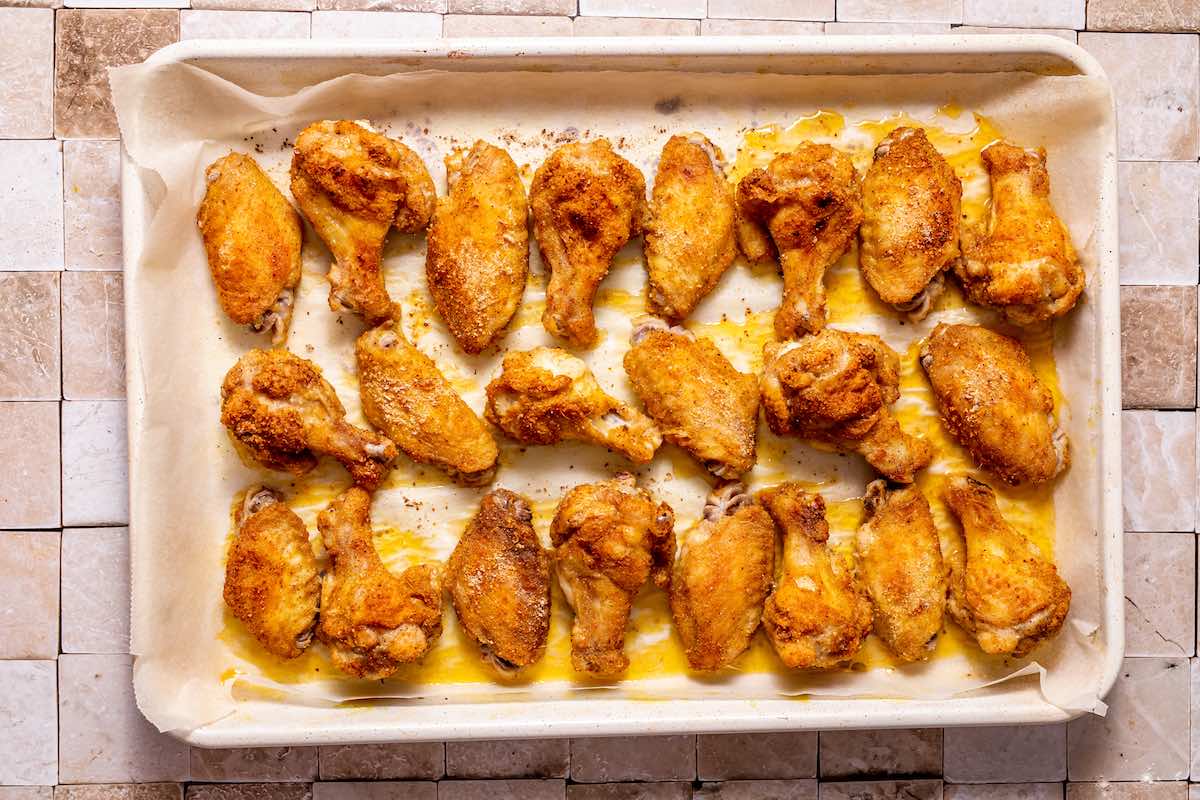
{"x":281,"y":67}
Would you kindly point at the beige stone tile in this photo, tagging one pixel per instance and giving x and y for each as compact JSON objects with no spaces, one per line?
{"x":633,"y":758}
{"x":544,"y":7}
{"x":259,"y":5}
{"x":757,"y":790}
{"x":28,"y":719}
{"x":682,"y":9}
{"x":219,"y":24}
{"x":1160,"y":594}
{"x":629,"y":791}
{"x":382,"y":790}
{"x":26,"y":792}
{"x":900,"y":10}
{"x":1004,"y":791}
{"x":423,"y":6}
{"x":374,"y":25}
{"x":93,"y":334}
{"x":1006,"y":754}
{"x":1194,"y":673}
{"x":29,"y":613}
{"x":31,"y":191}
{"x":26,"y":73}
{"x":120,"y":791}
{"x":504,"y":25}
{"x":1158,"y":346}
{"x":847,"y":754}
{"x":816,"y":10}
{"x":95,"y":480}
{"x":95,"y":590}
{"x":756,"y":755}
{"x":401,"y":761}
{"x":249,"y":791}
{"x":103,"y":738}
{"x":759,"y":27}
{"x":885,"y":28}
{"x":546,"y":789}
{"x":260,"y":764}
{"x":1127,"y":791}
{"x":1155,"y":80}
{"x":1061,"y":33}
{"x":882,"y":790}
{"x":29,"y":336}
{"x":513,"y":758}
{"x":1143,"y":15}
{"x":29,"y":484}
{"x":87,"y":42}
{"x":630,"y":26}
{"x":1158,"y":217}
{"x":1025,"y":13}
{"x":1157,"y":443}
{"x":92,"y":204}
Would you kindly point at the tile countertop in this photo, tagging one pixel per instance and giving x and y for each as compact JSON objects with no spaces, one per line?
{"x":67,"y":715}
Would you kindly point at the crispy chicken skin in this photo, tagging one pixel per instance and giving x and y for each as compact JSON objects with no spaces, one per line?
{"x":900,"y":561}
{"x":609,"y":539}
{"x":272,"y":583}
{"x":836,"y":387}
{"x":587,"y":202}
{"x":993,"y":403}
{"x":353,"y":185}
{"x":405,"y":395}
{"x":499,"y":580}
{"x":698,"y":399}
{"x":1006,"y":593}
{"x":723,"y":574}
{"x":818,"y":616}
{"x":371,"y":620}
{"x":912,"y":203}
{"x":252,"y":238}
{"x":1024,"y":264}
{"x":280,"y":408}
{"x":478,"y":253}
{"x":546,"y":395}
{"x":810,"y":202}
{"x":689,"y":241}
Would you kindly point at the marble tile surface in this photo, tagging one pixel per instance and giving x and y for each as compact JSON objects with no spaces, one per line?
{"x":630,"y":791}
{"x":220,"y":24}
{"x":95,"y":590}
{"x":882,"y":790}
{"x":259,"y":5}
{"x":93,"y":336}
{"x":372,"y":25}
{"x":95,"y":477}
{"x":633,"y":758}
{"x":625,"y":26}
{"x":397,"y":762}
{"x":1160,"y":594}
{"x":543,"y":7}
{"x":885,"y":28}
{"x":26,"y":792}
{"x":1062,"y":33}
{"x":1154,"y":443}
{"x":846,"y":754}
{"x":382,"y":790}
{"x":542,"y":789}
{"x":1127,"y":791}
{"x":757,"y":790}
{"x":1158,"y":203}
{"x":29,"y":720}
{"x":30,"y":494}
{"x":254,"y":764}
{"x":120,"y":791}
{"x":29,"y":570}
{"x":900,"y":10}
{"x":759,"y":27}
{"x":26,"y":73}
{"x":29,"y":336}
{"x":756,"y":755}
{"x":249,"y":791}
{"x":504,"y":25}
{"x":816,"y":10}
{"x":92,"y":204}
{"x":31,"y":191}
{"x":423,"y":6}
{"x":1025,"y":13}
{"x":1003,"y":791}
{"x":1144,"y":15}
{"x":683,"y":9}
{"x":1158,"y":346}
{"x":514,"y":758}
{"x":1028,"y":753}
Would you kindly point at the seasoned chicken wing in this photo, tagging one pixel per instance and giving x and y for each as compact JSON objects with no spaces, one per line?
{"x":1003,"y":590}
{"x":689,"y":241}
{"x":609,"y":539}
{"x":499,"y":580}
{"x":353,"y":185}
{"x":546,"y":395}
{"x":406,"y":396}
{"x":900,"y":561}
{"x":912,"y":204}
{"x":836,"y":387}
{"x":271,"y":579}
{"x":699,"y":400}
{"x":587,"y":202}
{"x":478,"y":253}
{"x":285,"y":414}
{"x":993,"y":403}
{"x":1024,"y":264}
{"x":721,"y":578}
{"x":810,"y":203}
{"x":371,"y":620}
{"x":252,"y":238}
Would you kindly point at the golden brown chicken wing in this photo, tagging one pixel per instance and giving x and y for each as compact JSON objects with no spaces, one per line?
{"x":1003,"y":590}
{"x":1024,"y":264}
{"x":993,"y":403}
{"x":252,"y":237}
{"x":912,"y":204}
{"x":836,"y":387}
{"x":285,"y":414}
{"x":609,"y":539}
{"x":405,"y":396}
{"x":546,"y":395}
{"x":818,"y":616}
{"x":587,"y":202}
{"x":689,"y":241}
{"x":810,"y":202}
{"x":900,"y":561}
{"x":499,"y":579}
{"x":699,"y":400}
{"x":371,"y":620}
{"x":353,"y":184}
{"x":478,"y":253}
{"x":721,"y":578}
{"x":271,"y":579}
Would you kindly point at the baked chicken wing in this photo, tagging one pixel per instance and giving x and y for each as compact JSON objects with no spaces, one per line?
{"x":810,"y":203}
{"x":993,"y":403}
{"x":1024,"y":264}
{"x":836,"y":387}
{"x":698,"y":399}
{"x":1003,"y":590}
{"x":587,"y":202}
{"x":371,"y":620}
{"x":252,"y":238}
{"x":912,"y":204}
{"x":353,"y":185}
{"x":285,"y":414}
{"x":609,"y":538}
{"x":721,"y":577}
{"x":546,"y":395}
{"x":818,"y":616}
{"x":405,"y":396}
{"x":271,"y":579}
{"x":478,"y":253}
{"x":900,"y":561}
{"x":499,"y":580}
{"x":689,"y":241}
